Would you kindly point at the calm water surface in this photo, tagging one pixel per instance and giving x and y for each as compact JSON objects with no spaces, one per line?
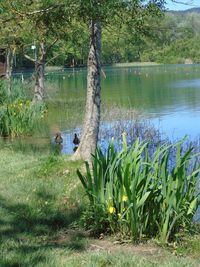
{"x":168,"y":95}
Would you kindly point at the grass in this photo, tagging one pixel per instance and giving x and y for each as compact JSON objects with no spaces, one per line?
{"x":40,"y":200}
{"x":190,"y":246}
{"x":34,"y":205}
{"x":135,"y":64}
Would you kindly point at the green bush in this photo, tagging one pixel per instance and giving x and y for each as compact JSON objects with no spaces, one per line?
{"x":143,"y":193}
{"x":15,"y":90}
{"x":18,"y":115}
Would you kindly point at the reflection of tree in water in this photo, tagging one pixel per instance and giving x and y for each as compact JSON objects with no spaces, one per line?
{"x":76,"y":142}
{"x":133,"y":129}
{"x":58,"y":140}
{"x":2,"y":62}
{"x":145,"y":131}
{"x":58,"y":149}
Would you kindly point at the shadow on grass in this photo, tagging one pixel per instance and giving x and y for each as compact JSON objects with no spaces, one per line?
{"x":28,"y":236}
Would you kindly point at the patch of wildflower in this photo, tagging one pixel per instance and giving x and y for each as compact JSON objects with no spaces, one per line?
{"x":124,"y":198}
{"x":19,"y":117}
{"x":111,"y":210}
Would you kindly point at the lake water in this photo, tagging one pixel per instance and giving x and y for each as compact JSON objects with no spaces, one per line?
{"x":167,"y":95}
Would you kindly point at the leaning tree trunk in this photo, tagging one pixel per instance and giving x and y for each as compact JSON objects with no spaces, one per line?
{"x":90,"y":131}
{"x":39,"y":75}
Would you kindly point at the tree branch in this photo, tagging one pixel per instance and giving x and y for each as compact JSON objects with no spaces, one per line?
{"x":35,"y":11}
{"x":52,"y":44}
{"x":51,"y":59}
{"x":29,"y":58}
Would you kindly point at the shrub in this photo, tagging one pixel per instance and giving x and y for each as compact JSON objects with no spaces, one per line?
{"x":18,"y":115}
{"x":18,"y":90}
{"x":144,"y":194}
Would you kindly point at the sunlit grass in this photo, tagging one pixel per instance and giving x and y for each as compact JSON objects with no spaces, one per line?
{"x":35,"y":203}
{"x":40,"y":200}
{"x":135,"y":64}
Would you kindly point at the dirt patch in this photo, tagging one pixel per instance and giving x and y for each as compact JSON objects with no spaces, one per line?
{"x":109,"y":246}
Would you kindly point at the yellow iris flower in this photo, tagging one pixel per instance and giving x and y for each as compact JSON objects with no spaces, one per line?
{"x":111,"y":210}
{"x":124,"y":198}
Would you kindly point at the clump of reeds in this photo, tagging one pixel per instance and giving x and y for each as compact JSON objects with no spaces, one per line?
{"x":18,"y":114}
{"x":117,"y":120}
{"x":142,"y":194}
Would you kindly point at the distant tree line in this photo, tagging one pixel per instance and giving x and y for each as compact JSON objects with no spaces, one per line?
{"x":172,"y":39}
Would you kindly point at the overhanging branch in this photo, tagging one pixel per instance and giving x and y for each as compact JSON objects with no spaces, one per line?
{"x":51,"y":59}
{"x":29,"y":58}
{"x":44,"y":10}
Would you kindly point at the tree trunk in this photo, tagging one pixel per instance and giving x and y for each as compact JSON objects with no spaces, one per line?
{"x":39,"y":75}
{"x":90,"y":131}
{"x":9,"y":66}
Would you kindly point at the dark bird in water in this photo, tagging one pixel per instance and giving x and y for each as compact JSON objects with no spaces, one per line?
{"x":76,"y":140}
{"x":58,"y":139}
{"x":75,"y":148}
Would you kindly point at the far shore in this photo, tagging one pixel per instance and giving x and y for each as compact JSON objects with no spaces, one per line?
{"x":135,"y":64}
{"x":126,"y":64}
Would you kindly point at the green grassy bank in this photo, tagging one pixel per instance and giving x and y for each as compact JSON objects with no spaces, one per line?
{"x":135,"y":64}
{"x":41,"y":198}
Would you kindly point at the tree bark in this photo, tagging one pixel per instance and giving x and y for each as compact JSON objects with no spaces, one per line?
{"x":90,"y":130}
{"x":9,"y":66}
{"x":39,"y":75}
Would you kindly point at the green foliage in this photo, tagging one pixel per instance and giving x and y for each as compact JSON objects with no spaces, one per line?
{"x":170,"y":39}
{"x":18,"y":115}
{"x":63,"y":28}
{"x":142,"y":194}
{"x":174,"y":39}
{"x":52,"y":165}
{"x":19,"y":118}
{"x":3,"y":94}
{"x":96,"y":220}
{"x":144,"y":34}
{"x":18,"y":91}
{"x":178,"y":52}
{"x":189,"y":246}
